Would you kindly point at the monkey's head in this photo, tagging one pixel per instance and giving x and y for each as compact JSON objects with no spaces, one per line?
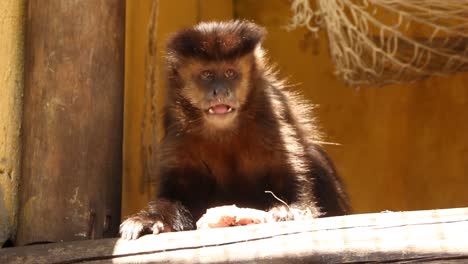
{"x":210,"y":70}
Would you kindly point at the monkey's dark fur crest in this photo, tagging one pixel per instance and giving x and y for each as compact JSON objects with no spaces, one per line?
{"x":216,"y":40}
{"x":232,"y":132}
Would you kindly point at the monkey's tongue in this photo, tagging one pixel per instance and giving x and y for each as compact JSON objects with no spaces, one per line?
{"x":220,"y":109}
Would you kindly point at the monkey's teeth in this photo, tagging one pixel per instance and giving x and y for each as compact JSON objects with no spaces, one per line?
{"x":229,"y":109}
{"x":211,"y":111}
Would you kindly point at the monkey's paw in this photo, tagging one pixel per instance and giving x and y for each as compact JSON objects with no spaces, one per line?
{"x":280,"y":213}
{"x":137,"y":226}
{"x":231,"y":215}
{"x":283,"y":213}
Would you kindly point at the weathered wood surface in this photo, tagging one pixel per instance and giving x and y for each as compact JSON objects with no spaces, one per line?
{"x":11,"y":98}
{"x":419,"y":236}
{"x":72,"y":124}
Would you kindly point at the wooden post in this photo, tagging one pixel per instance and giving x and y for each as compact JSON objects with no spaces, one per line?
{"x":11,"y":90}
{"x":74,"y":77}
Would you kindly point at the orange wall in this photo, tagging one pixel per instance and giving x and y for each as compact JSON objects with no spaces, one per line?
{"x":403,"y":147}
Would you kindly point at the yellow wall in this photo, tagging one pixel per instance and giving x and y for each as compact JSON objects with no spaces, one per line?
{"x":403,"y":147}
{"x":11,"y":89}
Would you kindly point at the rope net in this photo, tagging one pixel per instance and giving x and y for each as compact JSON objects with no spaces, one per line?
{"x":379,"y":42}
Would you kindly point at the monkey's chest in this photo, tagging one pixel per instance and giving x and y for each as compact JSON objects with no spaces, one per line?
{"x":242,"y":178}
{"x":237,"y":165}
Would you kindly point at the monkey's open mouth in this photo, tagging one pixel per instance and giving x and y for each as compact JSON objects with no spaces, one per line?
{"x":220,"y":109}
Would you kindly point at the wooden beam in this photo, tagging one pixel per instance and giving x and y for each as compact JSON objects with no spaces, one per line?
{"x":11,"y":106}
{"x":72,"y":123}
{"x":419,"y":236}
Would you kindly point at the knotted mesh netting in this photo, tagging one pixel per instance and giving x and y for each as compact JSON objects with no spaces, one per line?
{"x":386,"y":41}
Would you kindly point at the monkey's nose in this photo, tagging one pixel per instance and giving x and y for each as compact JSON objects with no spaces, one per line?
{"x":221,"y":91}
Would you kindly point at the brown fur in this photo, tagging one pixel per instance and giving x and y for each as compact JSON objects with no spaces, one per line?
{"x":266,"y":143}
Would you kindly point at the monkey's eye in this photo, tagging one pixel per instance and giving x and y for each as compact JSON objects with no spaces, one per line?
{"x":230,"y":74}
{"x":207,"y":75}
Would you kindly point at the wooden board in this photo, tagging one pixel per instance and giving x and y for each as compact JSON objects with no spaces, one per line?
{"x":419,"y":236}
{"x":72,"y":124}
{"x":11,"y":107}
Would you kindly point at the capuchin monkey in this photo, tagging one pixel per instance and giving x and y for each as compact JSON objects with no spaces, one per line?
{"x":232,"y":132}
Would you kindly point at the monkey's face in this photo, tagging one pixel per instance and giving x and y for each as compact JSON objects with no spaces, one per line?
{"x":217,"y":89}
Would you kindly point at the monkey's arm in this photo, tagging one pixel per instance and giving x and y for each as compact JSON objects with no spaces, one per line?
{"x":181,"y":190}
{"x":320,"y":194}
{"x":329,"y":189}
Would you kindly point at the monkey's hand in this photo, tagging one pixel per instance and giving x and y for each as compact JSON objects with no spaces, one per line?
{"x":160,"y":216}
{"x":283,"y":213}
{"x":140,"y":224}
{"x":231,"y":215}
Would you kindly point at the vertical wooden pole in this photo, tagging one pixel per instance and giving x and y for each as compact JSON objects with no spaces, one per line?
{"x":74,"y":77}
{"x":11,"y":89}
